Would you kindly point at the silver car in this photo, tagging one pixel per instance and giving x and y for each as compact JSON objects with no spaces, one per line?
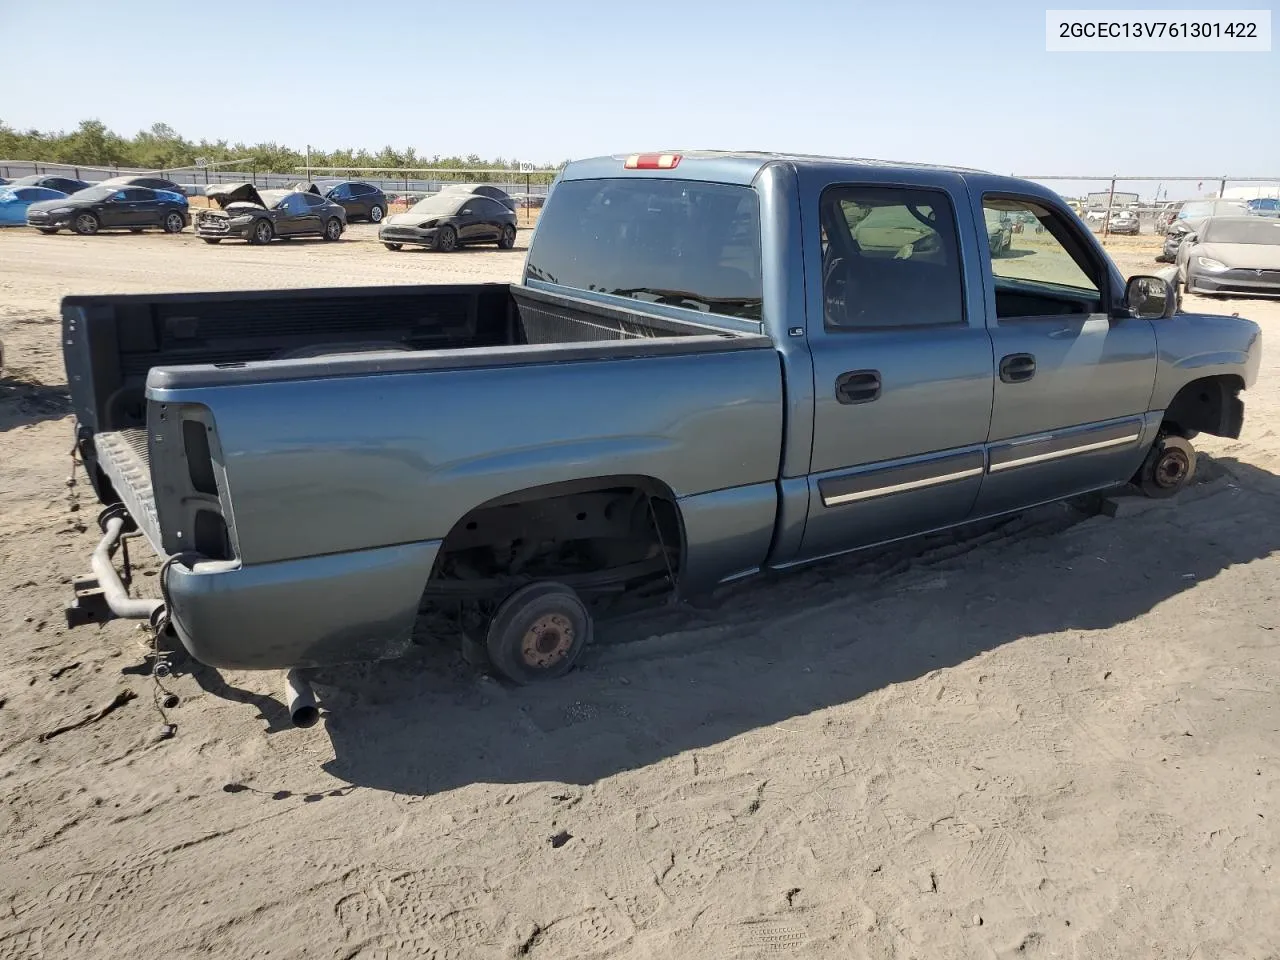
{"x":1232,"y":255}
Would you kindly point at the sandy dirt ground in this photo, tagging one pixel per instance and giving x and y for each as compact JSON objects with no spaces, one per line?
{"x":1055,"y":736}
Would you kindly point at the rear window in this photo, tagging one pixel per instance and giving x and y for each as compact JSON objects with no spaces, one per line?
{"x":676,"y":242}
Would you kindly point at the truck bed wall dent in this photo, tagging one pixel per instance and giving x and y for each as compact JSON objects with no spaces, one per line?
{"x":391,"y":454}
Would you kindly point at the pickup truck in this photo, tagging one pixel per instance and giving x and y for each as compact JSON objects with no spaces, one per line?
{"x":715,"y":363}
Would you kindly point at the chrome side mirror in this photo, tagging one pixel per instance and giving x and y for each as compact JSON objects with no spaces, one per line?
{"x":1150,"y":298}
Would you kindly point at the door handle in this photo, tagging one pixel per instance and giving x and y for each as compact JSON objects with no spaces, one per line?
{"x":858,"y":386}
{"x":1017,"y":368}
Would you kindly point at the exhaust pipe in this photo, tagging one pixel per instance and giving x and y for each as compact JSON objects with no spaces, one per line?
{"x":113,"y":591}
{"x":300,"y":699}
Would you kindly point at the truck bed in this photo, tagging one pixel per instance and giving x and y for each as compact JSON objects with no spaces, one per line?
{"x":114,"y":344}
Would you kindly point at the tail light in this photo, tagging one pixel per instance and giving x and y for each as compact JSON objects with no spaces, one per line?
{"x":652,"y":161}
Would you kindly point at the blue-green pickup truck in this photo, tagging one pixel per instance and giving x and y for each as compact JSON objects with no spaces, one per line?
{"x":716,"y":363}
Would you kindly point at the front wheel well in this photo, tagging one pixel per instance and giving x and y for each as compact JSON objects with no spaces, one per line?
{"x":1209,"y":404}
{"x":604,"y":536}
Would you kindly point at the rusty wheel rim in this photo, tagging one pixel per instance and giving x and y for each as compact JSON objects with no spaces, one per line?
{"x":1172,"y":468}
{"x":547,"y":640}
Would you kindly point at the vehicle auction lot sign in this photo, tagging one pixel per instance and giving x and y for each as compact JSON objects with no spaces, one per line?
{"x":1157,"y":31}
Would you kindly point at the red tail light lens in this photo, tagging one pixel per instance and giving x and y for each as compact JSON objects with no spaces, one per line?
{"x":652,"y":161}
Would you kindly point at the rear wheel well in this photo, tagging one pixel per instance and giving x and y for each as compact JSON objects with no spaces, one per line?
{"x":1210,"y":404}
{"x":604,"y":536}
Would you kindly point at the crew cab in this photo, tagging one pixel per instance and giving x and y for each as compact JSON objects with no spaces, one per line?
{"x":716,"y":363}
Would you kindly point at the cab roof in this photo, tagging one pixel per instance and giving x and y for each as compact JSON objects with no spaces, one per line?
{"x":737,"y":166}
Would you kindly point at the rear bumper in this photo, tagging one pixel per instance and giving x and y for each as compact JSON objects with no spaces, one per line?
{"x":312,"y":612}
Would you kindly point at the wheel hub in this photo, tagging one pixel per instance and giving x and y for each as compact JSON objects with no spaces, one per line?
{"x":547,"y":640}
{"x":1171,"y":468}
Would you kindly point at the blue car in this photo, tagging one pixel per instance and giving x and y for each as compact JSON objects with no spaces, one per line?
{"x":1264,"y":207}
{"x":15,"y":200}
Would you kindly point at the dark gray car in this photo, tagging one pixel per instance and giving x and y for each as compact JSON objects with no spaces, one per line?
{"x":446,"y":221}
{"x":245,"y":213}
{"x":362,"y":201}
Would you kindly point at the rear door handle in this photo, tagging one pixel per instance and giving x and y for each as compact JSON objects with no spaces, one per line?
{"x":1017,"y":368}
{"x":858,"y":386}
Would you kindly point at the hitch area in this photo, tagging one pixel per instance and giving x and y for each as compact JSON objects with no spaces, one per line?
{"x":103,"y":594}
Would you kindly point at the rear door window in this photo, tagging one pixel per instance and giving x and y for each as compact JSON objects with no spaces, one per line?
{"x":680,"y":243}
{"x":890,"y":259}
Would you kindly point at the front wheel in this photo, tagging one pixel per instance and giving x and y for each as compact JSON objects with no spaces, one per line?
{"x":211,"y":239}
{"x":173,"y":222}
{"x":375,"y":213}
{"x":508,"y":238}
{"x":333,"y":229}
{"x":135,"y":229}
{"x":86,"y":224}
{"x":48,"y":231}
{"x":393,"y":246}
{"x":446,"y":239}
{"x":1168,"y":468}
{"x":262,"y":232}
{"x":538,"y":633}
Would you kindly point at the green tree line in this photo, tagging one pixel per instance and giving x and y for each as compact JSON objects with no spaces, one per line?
{"x":163,"y":148}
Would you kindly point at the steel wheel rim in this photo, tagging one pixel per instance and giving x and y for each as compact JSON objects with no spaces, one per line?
{"x":174,"y":223}
{"x":334,"y":229}
{"x":86,"y":224}
{"x":1171,"y":469}
{"x":376,"y":215}
{"x":509,"y":235}
{"x":447,"y":239}
{"x":263,"y":232}
{"x":547,"y":640}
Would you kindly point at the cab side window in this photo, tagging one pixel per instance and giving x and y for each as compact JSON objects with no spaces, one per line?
{"x":891,"y":259}
{"x":1040,"y":264}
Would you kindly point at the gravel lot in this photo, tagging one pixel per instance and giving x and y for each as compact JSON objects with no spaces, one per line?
{"x":1054,"y":736}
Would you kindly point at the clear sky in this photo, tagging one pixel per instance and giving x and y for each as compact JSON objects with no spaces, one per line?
{"x":951,"y":82}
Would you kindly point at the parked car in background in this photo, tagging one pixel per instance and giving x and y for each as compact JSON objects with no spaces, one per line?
{"x":362,"y":201}
{"x":445,"y":221}
{"x":1263,"y":207}
{"x":111,"y":208}
{"x":482,"y":190}
{"x":1124,"y":223}
{"x":999,"y":231}
{"x":14,"y":202}
{"x":151,"y":183}
{"x":61,"y":184}
{"x":246,"y":213}
{"x":1189,"y":216}
{"x":1232,"y":255}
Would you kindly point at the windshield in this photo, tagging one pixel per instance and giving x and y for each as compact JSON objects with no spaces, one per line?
{"x":7,"y":196}
{"x":271,"y":197}
{"x":675,"y":242}
{"x":1207,"y":208}
{"x":439,"y":204}
{"x":1242,"y":231}
{"x":95,"y":193}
